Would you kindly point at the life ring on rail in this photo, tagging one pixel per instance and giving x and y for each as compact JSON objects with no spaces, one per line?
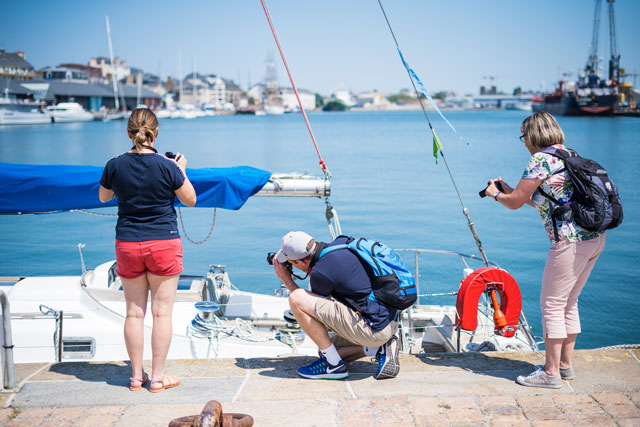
{"x":492,"y":280}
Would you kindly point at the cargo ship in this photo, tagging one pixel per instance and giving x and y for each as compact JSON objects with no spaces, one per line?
{"x":591,"y":94}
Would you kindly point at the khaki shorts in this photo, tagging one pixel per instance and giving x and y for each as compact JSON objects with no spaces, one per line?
{"x":350,"y":326}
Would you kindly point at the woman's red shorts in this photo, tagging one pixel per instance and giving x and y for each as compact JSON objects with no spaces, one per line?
{"x":158,"y":257}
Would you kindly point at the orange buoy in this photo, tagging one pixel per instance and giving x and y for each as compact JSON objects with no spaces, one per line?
{"x":497,"y":282}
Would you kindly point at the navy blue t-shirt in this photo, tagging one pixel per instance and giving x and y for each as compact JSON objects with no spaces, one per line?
{"x":145,"y":185}
{"x":342,"y":273}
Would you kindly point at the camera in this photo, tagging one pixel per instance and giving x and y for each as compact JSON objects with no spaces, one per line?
{"x":270,"y":256}
{"x":170,"y":155}
{"x":498,"y":184}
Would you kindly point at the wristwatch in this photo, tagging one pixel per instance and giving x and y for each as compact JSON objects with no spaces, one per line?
{"x":495,"y":196}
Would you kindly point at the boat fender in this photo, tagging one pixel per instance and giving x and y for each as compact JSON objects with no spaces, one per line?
{"x":491,"y":280}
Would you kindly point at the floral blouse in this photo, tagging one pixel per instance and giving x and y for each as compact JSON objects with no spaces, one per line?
{"x":544,"y":166}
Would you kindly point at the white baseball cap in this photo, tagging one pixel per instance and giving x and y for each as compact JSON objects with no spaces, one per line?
{"x":294,"y":246}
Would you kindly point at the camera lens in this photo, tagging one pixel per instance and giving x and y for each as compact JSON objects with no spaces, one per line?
{"x":270,"y":256}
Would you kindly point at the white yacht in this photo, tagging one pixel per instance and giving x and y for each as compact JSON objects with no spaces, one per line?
{"x":66,"y":112}
{"x":22,"y":113}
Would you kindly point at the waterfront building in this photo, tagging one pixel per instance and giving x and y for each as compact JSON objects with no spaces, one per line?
{"x":65,"y":74}
{"x":290,"y":103}
{"x":119,"y":68}
{"x":372,"y":100}
{"x":14,"y":66}
{"x":92,"y":96}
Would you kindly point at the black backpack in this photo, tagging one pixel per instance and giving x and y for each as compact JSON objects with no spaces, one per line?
{"x":596,"y":203}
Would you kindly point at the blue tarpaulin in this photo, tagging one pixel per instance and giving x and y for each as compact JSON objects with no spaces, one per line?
{"x":52,"y":188}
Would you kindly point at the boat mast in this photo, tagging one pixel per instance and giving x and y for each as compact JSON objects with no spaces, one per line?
{"x":114,"y":70}
{"x":180,"y":87}
{"x":614,"y":61}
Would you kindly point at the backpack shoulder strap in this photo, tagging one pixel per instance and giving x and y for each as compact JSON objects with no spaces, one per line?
{"x":331,"y":249}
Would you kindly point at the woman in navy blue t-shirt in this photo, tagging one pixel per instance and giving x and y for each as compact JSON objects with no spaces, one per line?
{"x":148,"y":246}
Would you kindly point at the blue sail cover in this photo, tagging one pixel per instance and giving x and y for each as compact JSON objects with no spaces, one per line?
{"x":53,"y":188}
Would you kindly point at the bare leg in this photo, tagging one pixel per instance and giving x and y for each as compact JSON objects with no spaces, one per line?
{"x":303,"y":306}
{"x":136,"y":293}
{"x":553,"y":350}
{"x":351,"y":353}
{"x":163,"y":293}
{"x":567,"y":350}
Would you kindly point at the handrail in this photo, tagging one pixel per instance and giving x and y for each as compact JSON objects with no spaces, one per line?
{"x":9,"y":381}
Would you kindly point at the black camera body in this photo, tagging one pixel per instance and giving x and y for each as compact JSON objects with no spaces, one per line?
{"x":270,"y":257}
{"x":170,"y":155}
{"x":483,"y":193}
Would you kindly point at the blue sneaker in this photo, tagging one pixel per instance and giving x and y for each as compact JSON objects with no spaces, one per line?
{"x":387,"y":359}
{"x":321,"y":369}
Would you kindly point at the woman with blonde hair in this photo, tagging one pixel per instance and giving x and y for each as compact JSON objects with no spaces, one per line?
{"x":573,"y":252}
{"x":148,"y":246}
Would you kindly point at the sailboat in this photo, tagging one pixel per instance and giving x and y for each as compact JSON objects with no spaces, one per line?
{"x":272,"y":101}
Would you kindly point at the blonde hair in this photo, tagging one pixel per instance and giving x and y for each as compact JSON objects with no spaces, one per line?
{"x":542,"y":130}
{"x":142,"y":126}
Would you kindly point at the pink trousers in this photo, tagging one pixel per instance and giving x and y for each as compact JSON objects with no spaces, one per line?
{"x":568,"y":267}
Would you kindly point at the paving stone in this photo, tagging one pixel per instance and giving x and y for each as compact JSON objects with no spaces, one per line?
{"x":629,"y":422}
{"x":572,"y":399}
{"x":105,"y":410}
{"x":72,"y":412}
{"x":467,"y":424}
{"x":459,"y":402}
{"x":541,"y":413}
{"x":622,"y":411}
{"x":464,"y":415}
{"x":438,"y":420}
{"x":508,"y":421}
{"x":582,"y":408}
{"x":7,"y":414}
{"x":27,"y":413}
{"x":534,"y":401}
{"x":496,"y":400}
{"x":502,"y":410}
{"x":635,"y":397}
{"x":419,"y":405}
{"x":98,"y":420}
{"x":549,"y":423}
{"x":592,"y":421}
{"x":23,"y":423}
{"x":354,"y":421}
{"x":611,"y":398}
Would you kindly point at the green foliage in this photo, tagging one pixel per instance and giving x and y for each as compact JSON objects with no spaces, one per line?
{"x":517,"y":91}
{"x":400,"y":97}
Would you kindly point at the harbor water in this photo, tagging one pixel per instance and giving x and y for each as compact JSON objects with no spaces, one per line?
{"x":386,"y":185}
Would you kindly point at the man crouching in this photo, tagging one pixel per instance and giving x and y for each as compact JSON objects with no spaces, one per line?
{"x":339,"y":299}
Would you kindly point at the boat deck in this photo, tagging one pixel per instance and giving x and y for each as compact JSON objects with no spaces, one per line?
{"x":431,"y":389}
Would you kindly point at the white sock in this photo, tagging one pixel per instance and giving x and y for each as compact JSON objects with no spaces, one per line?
{"x":331,"y":354}
{"x":370,"y":351}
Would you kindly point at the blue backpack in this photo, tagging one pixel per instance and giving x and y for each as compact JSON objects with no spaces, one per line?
{"x":393,"y":284}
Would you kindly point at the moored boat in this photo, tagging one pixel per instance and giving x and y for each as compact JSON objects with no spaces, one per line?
{"x":22,"y":113}
{"x":66,"y":112}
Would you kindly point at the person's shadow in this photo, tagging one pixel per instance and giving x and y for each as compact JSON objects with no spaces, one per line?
{"x":112,"y":373}
{"x":495,"y":364}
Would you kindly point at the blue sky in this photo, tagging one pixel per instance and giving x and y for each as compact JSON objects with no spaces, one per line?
{"x":452,"y":45}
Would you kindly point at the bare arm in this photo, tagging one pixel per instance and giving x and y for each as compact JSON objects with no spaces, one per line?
{"x":186,"y":193}
{"x":284,"y":275}
{"x":514,"y":198}
{"x":105,"y":194}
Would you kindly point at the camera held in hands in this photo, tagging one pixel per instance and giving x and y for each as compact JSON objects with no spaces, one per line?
{"x":498,"y":184}
{"x":270,"y":257}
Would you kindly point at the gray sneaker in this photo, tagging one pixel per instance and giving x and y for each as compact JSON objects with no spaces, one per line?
{"x":387,"y":359}
{"x":565,"y":373}
{"x":539,"y":378}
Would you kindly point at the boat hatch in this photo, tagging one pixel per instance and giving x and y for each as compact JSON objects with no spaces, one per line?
{"x":78,"y":347}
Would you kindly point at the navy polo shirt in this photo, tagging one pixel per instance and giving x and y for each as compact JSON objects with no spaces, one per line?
{"x":145,"y":185}
{"x":342,"y":273}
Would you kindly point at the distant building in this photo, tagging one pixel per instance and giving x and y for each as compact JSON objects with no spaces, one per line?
{"x":290,"y":102}
{"x":372,"y":100}
{"x":119,"y":69}
{"x":94,"y":74}
{"x":65,"y":74}
{"x":14,"y":66}
{"x":233,"y":92}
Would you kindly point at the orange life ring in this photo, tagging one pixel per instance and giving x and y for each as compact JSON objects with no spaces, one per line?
{"x":483,"y":280}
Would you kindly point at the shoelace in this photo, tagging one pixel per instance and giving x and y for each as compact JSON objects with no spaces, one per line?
{"x":534,"y":373}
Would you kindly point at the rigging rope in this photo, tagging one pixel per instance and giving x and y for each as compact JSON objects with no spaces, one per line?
{"x":437,"y":146}
{"x":184,"y":232}
{"x":323,"y":166}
